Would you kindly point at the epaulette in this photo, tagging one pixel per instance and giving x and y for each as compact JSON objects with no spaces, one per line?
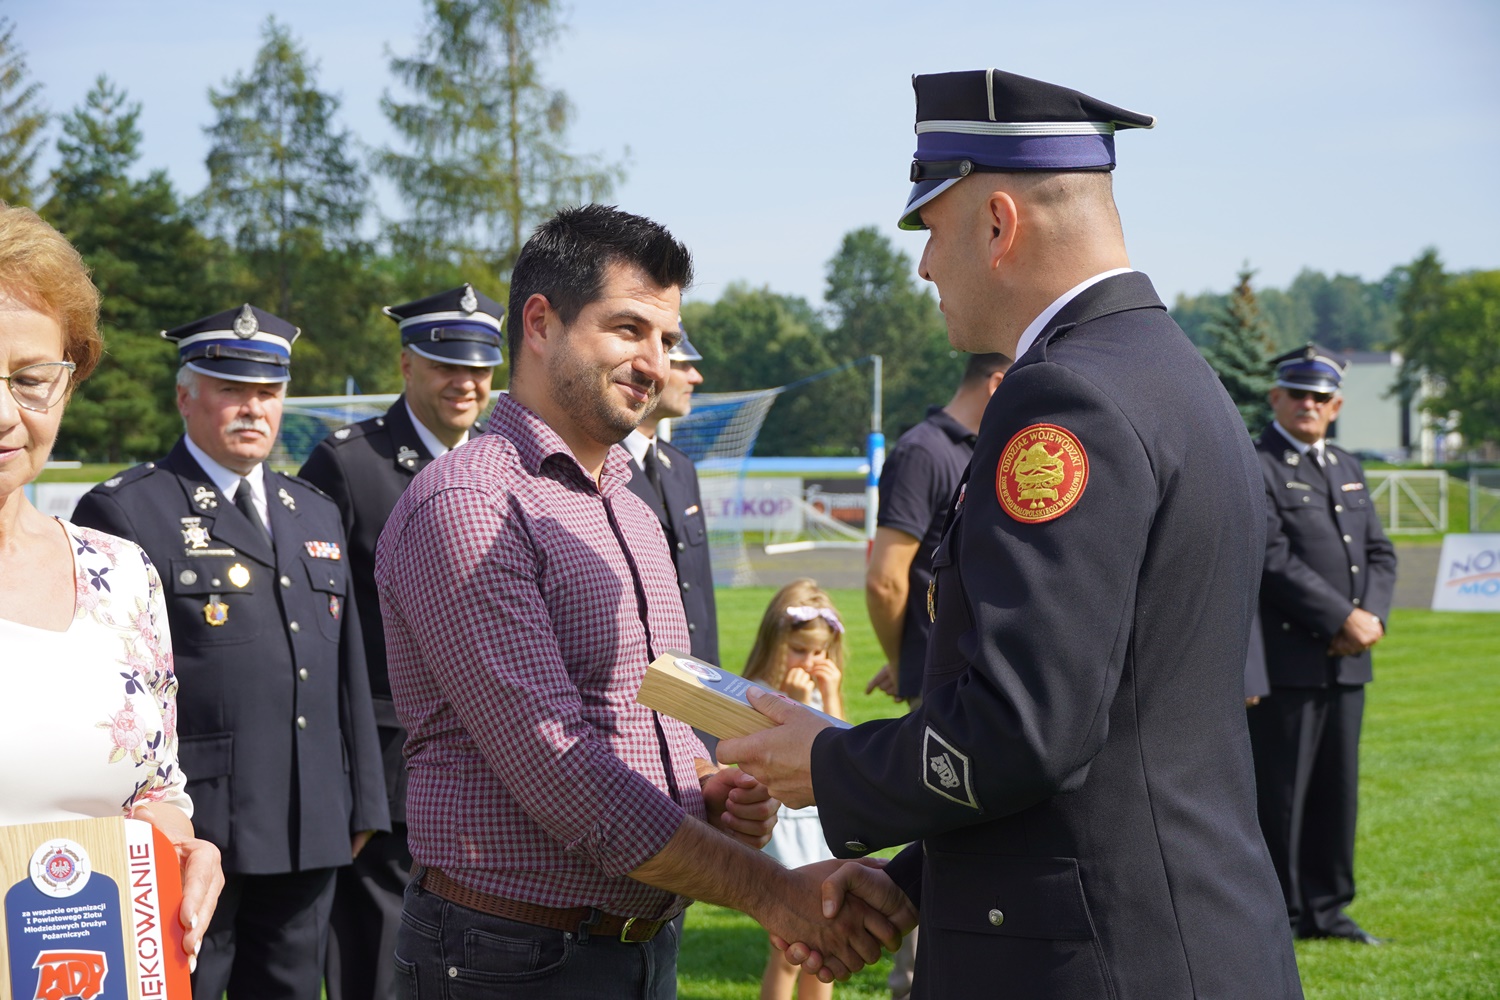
{"x":130,"y":475}
{"x":353,"y":432}
{"x":306,"y":485}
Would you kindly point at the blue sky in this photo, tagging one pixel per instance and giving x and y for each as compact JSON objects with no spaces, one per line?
{"x":1335,"y":135}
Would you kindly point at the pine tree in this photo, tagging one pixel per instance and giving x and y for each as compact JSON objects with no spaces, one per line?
{"x":22,"y":118}
{"x":486,"y":159}
{"x":284,"y":185}
{"x":147,"y":257}
{"x":1240,"y":352}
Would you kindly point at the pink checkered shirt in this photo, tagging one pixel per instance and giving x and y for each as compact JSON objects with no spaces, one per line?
{"x":516,"y":646}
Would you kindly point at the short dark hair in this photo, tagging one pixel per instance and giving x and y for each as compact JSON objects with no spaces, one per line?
{"x":568,"y":255}
{"x":982,"y":366}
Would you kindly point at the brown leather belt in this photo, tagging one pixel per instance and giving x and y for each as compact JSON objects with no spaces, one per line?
{"x":577,"y":919}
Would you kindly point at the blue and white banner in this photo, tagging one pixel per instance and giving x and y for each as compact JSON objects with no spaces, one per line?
{"x":1468,"y":577}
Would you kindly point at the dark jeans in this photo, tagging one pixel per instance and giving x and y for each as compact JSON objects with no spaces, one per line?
{"x":449,"y":952}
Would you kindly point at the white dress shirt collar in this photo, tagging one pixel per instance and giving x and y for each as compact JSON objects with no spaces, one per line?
{"x":228,"y":481}
{"x":638,"y":444}
{"x":1028,"y":337}
{"x":430,"y":440}
{"x":1302,"y":446}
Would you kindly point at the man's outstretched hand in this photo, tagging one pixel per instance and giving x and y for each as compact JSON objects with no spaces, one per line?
{"x":861,"y":886}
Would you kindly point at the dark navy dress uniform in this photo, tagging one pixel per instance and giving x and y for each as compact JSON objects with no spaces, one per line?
{"x":365,"y":468}
{"x":1326,"y":554}
{"x":277,"y":736}
{"x":679,"y":507}
{"x":1078,"y":775}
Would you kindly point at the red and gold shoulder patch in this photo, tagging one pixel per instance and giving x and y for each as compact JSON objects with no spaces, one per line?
{"x":1042,"y":473}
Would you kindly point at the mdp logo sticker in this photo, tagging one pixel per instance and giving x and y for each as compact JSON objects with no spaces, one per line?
{"x":66,"y":975}
{"x":1042,"y":473}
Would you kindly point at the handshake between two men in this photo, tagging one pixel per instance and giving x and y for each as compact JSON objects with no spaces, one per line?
{"x":832,"y":917}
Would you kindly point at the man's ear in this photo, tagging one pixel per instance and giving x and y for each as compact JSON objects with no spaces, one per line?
{"x":537,"y":317}
{"x":1003,"y":215}
{"x":995,"y":379}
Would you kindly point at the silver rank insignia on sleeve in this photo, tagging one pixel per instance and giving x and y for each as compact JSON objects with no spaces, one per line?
{"x":946,"y":770}
{"x":204,"y":498}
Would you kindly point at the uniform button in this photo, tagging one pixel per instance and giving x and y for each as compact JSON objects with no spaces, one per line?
{"x":692,"y":627}
{"x":686,"y":585}
{"x":1286,"y":626}
{"x":1354,"y":569}
{"x":857,"y":846}
{"x":301,"y":722}
{"x":1338,"y":507}
{"x":302,"y":674}
{"x":996,"y":918}
{"x":295,"y":627}
{"x":1306,"y":499}
{"x":331,"y":582}
{"x":1348,"y":538}
{"x":187,"y":577}
{"x":217,"y":583}
{"x":286,"y":581}
{"x":682,"y":546}
{"x":1356,"y":602}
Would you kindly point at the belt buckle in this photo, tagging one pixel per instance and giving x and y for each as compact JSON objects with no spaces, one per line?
{"x":625,"y":930}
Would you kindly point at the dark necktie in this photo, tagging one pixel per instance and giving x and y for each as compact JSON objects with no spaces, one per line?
{"x":242,"y":500}
{"x":653,"y":473}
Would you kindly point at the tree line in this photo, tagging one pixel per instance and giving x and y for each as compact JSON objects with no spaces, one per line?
{"x":287,"y":220}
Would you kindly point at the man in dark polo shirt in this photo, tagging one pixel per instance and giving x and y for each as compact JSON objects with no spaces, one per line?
{"x":916,"y":490}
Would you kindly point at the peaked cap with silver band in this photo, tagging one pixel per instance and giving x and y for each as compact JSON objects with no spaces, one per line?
{"x":989,"y":120}
{"x":1306,"y":369}
{"x":683,"y":350}
{"x":456,"y":327}
{"x":242,"y":345}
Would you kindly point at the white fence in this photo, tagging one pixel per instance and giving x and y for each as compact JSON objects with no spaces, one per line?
{"x":1410,"y":502}
{"x":1484,"y":500}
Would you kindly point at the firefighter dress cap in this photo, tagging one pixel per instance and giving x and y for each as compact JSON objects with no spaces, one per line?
{"x":1306,"y":369}
{"x":456,"y":327}
{"x":986,"y":120}
{"x":244,"y":344}
{"x":683,"y":350}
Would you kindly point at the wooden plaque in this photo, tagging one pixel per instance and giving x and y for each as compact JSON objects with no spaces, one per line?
{"x":90,"y":912}
{"x":706,"y":697}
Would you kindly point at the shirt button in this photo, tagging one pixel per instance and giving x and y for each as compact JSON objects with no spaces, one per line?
{"x":857,"y":846}
{"x":295,"y":627}
{"x":1348,"y":538}
{"x":996,"y":918}
{"x":302,"y":674}
{"x":1338,"y":507}
{"x":286,"y":581}
{"x":301,"y":722}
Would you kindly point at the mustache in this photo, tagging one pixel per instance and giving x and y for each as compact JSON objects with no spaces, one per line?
{"x":249,"y":424}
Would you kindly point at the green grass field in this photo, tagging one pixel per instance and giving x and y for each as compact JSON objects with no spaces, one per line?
{"x":1429,"y":831}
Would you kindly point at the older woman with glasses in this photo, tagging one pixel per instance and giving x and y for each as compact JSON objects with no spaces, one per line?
{"x":88,"y":722}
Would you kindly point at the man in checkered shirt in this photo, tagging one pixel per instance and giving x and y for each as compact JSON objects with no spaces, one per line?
{"x":559,"y":828}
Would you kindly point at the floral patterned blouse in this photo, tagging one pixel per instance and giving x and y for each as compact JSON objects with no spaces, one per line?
{"x":88,"y":726}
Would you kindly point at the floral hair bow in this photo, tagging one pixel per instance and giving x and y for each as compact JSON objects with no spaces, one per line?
{"x":806,"y":613}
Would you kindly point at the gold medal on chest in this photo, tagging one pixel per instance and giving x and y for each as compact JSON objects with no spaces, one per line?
{"x":215,"y":612}
{"x":239,"y":575}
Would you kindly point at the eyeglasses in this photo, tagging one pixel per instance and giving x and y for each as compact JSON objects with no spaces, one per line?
{"x":40,"y":387}
{"x":1317,"y":397}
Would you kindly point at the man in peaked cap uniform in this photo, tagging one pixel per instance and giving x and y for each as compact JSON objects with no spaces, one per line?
{"x":277,"y":733}
{"x":665,"y":478}
{"x":1078,"y":774}
{"x":1325,"y":596}
{"x":450,"y":346}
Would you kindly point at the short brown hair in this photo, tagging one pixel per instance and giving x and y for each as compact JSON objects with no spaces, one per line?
{"x":40,"y":269}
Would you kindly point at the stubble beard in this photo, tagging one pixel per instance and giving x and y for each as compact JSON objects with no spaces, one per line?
{"x":585,"y":392}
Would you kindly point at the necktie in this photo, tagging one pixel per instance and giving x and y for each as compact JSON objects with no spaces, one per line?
{"x":653,"y":473}
{"x":242,"y":500}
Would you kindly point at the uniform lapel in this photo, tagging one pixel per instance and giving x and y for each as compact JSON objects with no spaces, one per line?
{"x":285,"y":526}
{"x":226,"y":525}
{"x":1122,"y":293}
{"x":407,"y":450}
